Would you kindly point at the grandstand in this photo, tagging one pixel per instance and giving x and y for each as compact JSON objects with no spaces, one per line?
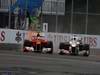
{"x":62,"y":16}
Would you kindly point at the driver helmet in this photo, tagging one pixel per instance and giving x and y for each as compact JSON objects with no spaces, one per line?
{"x":74,"y":37}
{"x":38,"y":35}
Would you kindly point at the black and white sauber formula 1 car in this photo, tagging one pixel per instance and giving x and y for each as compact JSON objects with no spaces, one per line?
{"x":74,"y":47}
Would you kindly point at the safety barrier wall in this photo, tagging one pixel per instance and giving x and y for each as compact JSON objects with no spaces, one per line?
{"x":18,"y":36}
{"x":11,"y":36}
{"x":92,"y":40}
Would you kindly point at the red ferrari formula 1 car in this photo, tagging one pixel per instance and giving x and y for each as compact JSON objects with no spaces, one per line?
{"x":38,"y":43}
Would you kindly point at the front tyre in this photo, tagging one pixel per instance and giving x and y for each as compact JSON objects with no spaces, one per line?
{"x":87,"y":53}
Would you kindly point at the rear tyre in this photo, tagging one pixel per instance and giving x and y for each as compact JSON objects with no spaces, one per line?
{"x":87,"y":48}
{"x":87,"y":53}
{"x":50,"y":45}
{"x":27,"y":43}
{"x":61,"y":46}
{"x":64,"y":46}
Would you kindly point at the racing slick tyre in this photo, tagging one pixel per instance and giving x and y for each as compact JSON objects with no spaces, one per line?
{"x":50,"y":45}
{"x":61,"y":53}
{"x":87,"y":48}
{"x":27,"y":43}
{"x":61,"y":46}
{"x":87,"y":53}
